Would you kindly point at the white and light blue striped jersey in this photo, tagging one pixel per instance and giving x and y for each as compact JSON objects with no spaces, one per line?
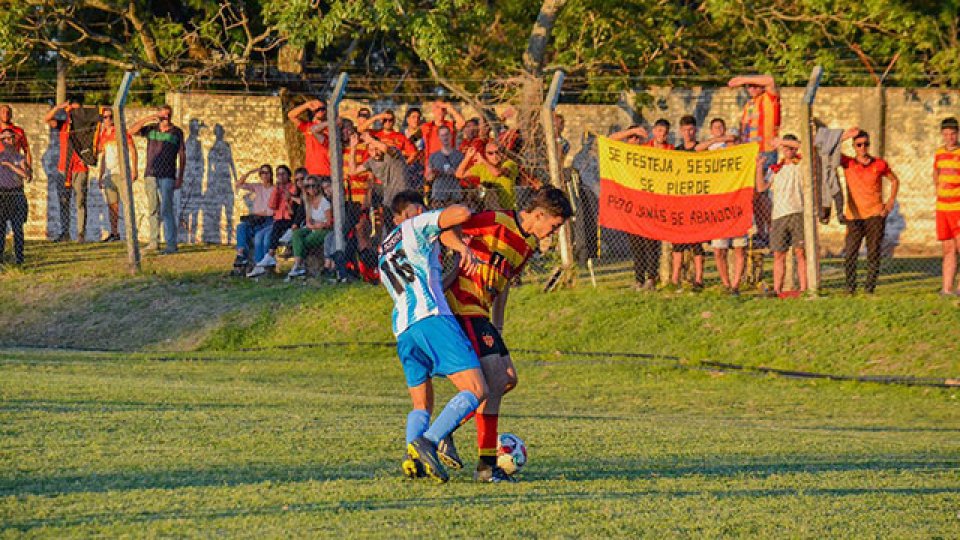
{"x":410,"y":270}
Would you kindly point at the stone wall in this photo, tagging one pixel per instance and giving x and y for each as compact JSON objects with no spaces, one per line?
{"x":228,"y":135}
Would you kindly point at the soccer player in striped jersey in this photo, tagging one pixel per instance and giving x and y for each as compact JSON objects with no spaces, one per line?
{"x":946,"y":179}
{"x":504,"y":241}
{"x":430,"y":343}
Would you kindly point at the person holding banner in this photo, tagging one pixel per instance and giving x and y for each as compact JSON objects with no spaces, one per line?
{"x":720,"y":139}
{"x":787,"y":227}
{"x":646,"y":251}
{"x":688,"y":143}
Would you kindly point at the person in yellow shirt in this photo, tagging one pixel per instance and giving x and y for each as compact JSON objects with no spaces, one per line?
{"x":946,"y":179}
{"x":491,"y":170}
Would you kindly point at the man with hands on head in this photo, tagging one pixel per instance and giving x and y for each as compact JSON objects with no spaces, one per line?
{"x":163,"y":173}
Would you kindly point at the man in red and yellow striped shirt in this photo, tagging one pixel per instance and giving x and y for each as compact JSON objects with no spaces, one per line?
{"x":503,"y":241}
{"x":946,"y":179}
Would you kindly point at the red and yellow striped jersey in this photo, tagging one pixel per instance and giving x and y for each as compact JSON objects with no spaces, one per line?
{"x":503,"y":248}
{"x":947,"y":165}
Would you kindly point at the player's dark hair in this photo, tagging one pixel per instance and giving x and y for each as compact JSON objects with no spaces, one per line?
{"x":552,"y":200}
{"x":950,"y":123}
{"x":688,"y":120}
{"x":404,"y":199}
{"x":662,"y":122}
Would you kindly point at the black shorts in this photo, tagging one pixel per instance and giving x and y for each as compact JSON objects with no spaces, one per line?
{"x":484,"y":336}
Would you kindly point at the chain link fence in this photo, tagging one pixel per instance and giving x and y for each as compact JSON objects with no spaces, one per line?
{"x":224,"y":193}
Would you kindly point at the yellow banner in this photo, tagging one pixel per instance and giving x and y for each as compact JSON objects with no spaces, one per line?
{"x":672,"y":172}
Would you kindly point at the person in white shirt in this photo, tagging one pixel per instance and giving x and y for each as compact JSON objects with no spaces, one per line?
{"x":318,"y":224}
{"x":785,"y":180}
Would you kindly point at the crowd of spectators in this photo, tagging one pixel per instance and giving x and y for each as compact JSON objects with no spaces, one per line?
{"x":451,"y":159}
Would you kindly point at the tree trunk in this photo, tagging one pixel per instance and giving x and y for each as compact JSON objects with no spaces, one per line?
{"x":61,"y":68}
{"x":540,"y":36}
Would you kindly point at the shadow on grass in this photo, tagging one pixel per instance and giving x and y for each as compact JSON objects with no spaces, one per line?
{"x":101,"y":406}
{"x":419,"y":502}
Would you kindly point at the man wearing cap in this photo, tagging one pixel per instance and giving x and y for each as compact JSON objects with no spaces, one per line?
{"x":946,"y":180}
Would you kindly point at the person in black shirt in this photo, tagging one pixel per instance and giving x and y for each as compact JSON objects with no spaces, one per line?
{"x":163,"y":174}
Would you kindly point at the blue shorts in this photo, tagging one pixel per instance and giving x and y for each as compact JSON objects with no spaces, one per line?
{"x":432,"y":347}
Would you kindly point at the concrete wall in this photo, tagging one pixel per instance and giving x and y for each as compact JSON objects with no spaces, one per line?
{"x":228,"y":135}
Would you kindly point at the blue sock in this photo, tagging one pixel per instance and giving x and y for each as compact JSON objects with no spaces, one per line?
{"x":417,"y":422}
{"x":450,"y":417}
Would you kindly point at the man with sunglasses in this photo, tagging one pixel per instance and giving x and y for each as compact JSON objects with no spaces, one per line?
{"x":388,"y":133}
{"x":315,"y":135}
{"x":110,"y":179}
{"x":163,"y":174}
{"x":866,"y":212}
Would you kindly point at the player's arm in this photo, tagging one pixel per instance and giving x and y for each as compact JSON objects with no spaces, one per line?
{"x":450,"y":218}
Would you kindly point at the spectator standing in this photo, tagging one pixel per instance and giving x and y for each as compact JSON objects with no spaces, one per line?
{"x":22,"y":144}
{"x":13,"y":203}
{"x":471,"y":136}
{"x":319,"y":220}
{"x":110,"y":174}
{"x":255,"y":228}
{"x":492,"y":170}
{"x":719,"y":138}
{"x":688,"y":143}
{"x":646,"y":251}
{"x":389,"y":169}
{"x":430,"y":130}
{"x":787,"y":227}
{"x":760,"y":123}
{"x":441,"y":175}
{"x":388,"y":133}
{"x":866,"y":212}
{"x":316,"y":135}
{"x":415,"y":164}
{"x":163,"y":173}
{"x":75,"y":171}
{"x":946,"y":180}
{"x":282,"y":203}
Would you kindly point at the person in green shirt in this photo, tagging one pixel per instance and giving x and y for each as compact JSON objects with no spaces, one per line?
{"x":493,"y":171}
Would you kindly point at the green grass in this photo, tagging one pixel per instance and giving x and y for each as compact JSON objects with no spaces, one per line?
{"x":214,"y":440}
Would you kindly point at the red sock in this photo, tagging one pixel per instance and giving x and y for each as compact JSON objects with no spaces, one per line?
{"x":467,"y":418}
{"x":487,"y":438}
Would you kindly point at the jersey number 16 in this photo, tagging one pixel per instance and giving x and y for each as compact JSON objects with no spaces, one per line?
{"x":398,"y":269}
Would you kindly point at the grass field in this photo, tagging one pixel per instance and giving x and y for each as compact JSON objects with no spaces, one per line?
{"x":187,"y":433}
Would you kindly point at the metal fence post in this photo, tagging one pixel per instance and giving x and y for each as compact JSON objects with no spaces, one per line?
{"x":556,"y":178}
{"x":130,"y":218}
{"x":336,"y":160}
{"x":810,"y":213}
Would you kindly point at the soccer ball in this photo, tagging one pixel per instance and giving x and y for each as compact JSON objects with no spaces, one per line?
{"x":511,"y":453}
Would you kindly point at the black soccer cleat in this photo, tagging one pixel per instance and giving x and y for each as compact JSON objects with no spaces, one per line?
{"x":412,"y":468}
{"x":492,"y":475}
{"x":447,"y":452}
{"x":425,"y":451}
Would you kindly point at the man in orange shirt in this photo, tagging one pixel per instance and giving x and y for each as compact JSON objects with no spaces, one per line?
{"x":75,"y":171}
{"x":946,"y":180}
{"x":760,"y":123}
{"x":430,"y":130}
{"x":866,"y":212}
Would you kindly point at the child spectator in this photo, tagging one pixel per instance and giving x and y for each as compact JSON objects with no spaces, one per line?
{"x":946,"y":179}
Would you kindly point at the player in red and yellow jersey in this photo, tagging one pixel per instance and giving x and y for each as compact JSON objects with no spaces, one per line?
{"x":503,"y":241}
{"x":946,"y":180}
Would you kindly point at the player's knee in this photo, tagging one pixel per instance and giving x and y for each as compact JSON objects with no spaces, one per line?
{"x":480,"y":390}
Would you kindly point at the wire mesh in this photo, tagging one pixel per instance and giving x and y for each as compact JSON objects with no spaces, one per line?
{"x":189,"y":177}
